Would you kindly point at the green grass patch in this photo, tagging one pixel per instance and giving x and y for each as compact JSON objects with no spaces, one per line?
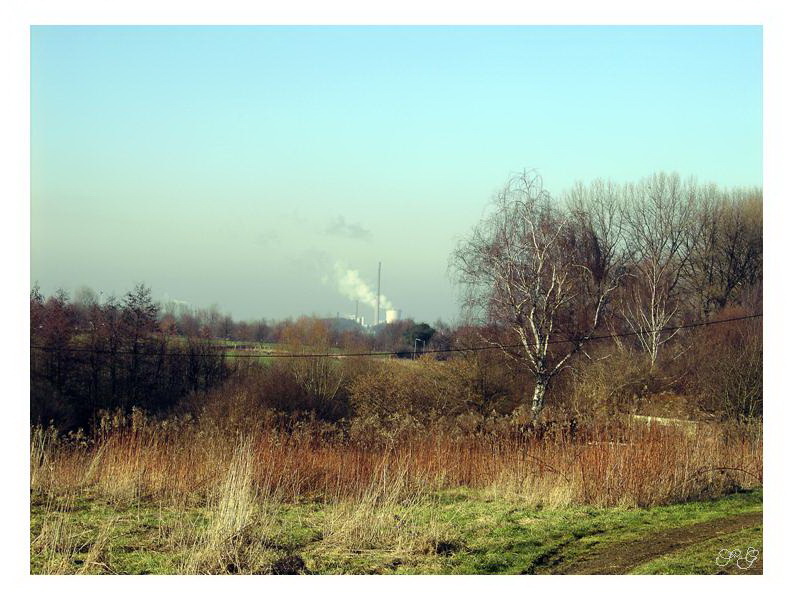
{"x":460,"y":531}
{"x":706,"y":558}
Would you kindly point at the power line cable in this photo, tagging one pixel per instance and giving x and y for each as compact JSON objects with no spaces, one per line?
{"x":279,"y":354}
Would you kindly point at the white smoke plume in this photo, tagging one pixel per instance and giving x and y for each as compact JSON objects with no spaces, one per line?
{"x":352,"y":286}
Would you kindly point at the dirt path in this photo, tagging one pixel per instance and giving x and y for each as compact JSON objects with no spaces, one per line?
{"x":620,"y":558}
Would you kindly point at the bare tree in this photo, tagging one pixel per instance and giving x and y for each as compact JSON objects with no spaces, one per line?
{"x":227,"y":327}
{"x":36,"y":312}
{"x":321,"y":377}
{"x":727,"y":256}
{"x":140,"y":314}
{"x":139,"y":319}
{"x":540,"y":273}
{"x":659,"y":215}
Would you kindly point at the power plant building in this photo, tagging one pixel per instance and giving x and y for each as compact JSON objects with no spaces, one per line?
{"x":393,"y":315}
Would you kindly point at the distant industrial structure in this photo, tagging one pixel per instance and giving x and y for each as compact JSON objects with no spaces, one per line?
{"x":391,"y":315}
{"x":377,"y":313}
{"x":360,"y":320}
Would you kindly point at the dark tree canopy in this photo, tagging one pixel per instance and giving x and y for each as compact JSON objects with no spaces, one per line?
{"x":421,"y":331}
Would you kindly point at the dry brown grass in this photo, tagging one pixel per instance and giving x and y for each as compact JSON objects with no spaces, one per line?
{"x":233,"y":510}
{"x":226,"y":490}
{"x":606,"y":464}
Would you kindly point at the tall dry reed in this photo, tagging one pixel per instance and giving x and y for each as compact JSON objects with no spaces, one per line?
{"x":606,"y":464}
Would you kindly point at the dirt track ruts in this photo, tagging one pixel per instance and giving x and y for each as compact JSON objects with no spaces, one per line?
{"x":620,"y":558}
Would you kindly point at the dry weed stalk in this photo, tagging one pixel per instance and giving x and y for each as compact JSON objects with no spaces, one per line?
{"x":600,"y":464}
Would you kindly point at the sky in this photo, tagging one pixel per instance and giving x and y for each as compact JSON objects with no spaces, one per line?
{"x":262,"y":169}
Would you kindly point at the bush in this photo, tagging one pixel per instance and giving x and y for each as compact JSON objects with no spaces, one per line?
{"x":726,"y":375}
{"x":607,"y":386}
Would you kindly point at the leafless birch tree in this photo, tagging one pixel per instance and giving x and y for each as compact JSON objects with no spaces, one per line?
{"x":659,"y":215}
{"x":541,"y":273}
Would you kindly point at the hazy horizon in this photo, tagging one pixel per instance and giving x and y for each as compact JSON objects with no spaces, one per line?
{"x":269,"y":169}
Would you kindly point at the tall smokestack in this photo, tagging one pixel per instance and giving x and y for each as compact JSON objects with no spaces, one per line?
{"x":377,"y":313}
{"x":356,"y":318}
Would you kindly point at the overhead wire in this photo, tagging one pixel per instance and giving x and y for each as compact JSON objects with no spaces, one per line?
{"x":280,"y":354}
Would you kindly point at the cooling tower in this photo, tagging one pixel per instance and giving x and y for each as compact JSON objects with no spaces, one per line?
{"x":393,"y":315}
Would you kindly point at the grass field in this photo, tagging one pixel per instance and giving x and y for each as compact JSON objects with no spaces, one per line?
{"x":205,"y":496}
{"x":459,"y":531}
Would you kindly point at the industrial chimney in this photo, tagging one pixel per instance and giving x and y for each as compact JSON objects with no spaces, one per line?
{"x":377,"y":313}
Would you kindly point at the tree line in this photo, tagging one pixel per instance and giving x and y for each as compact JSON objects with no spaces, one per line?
{"x":541,"y":278}
{"x":90,"y":355}
{"x":606,"y":257}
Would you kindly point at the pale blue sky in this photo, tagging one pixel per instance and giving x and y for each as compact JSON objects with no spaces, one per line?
{"x":236,"y":165}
